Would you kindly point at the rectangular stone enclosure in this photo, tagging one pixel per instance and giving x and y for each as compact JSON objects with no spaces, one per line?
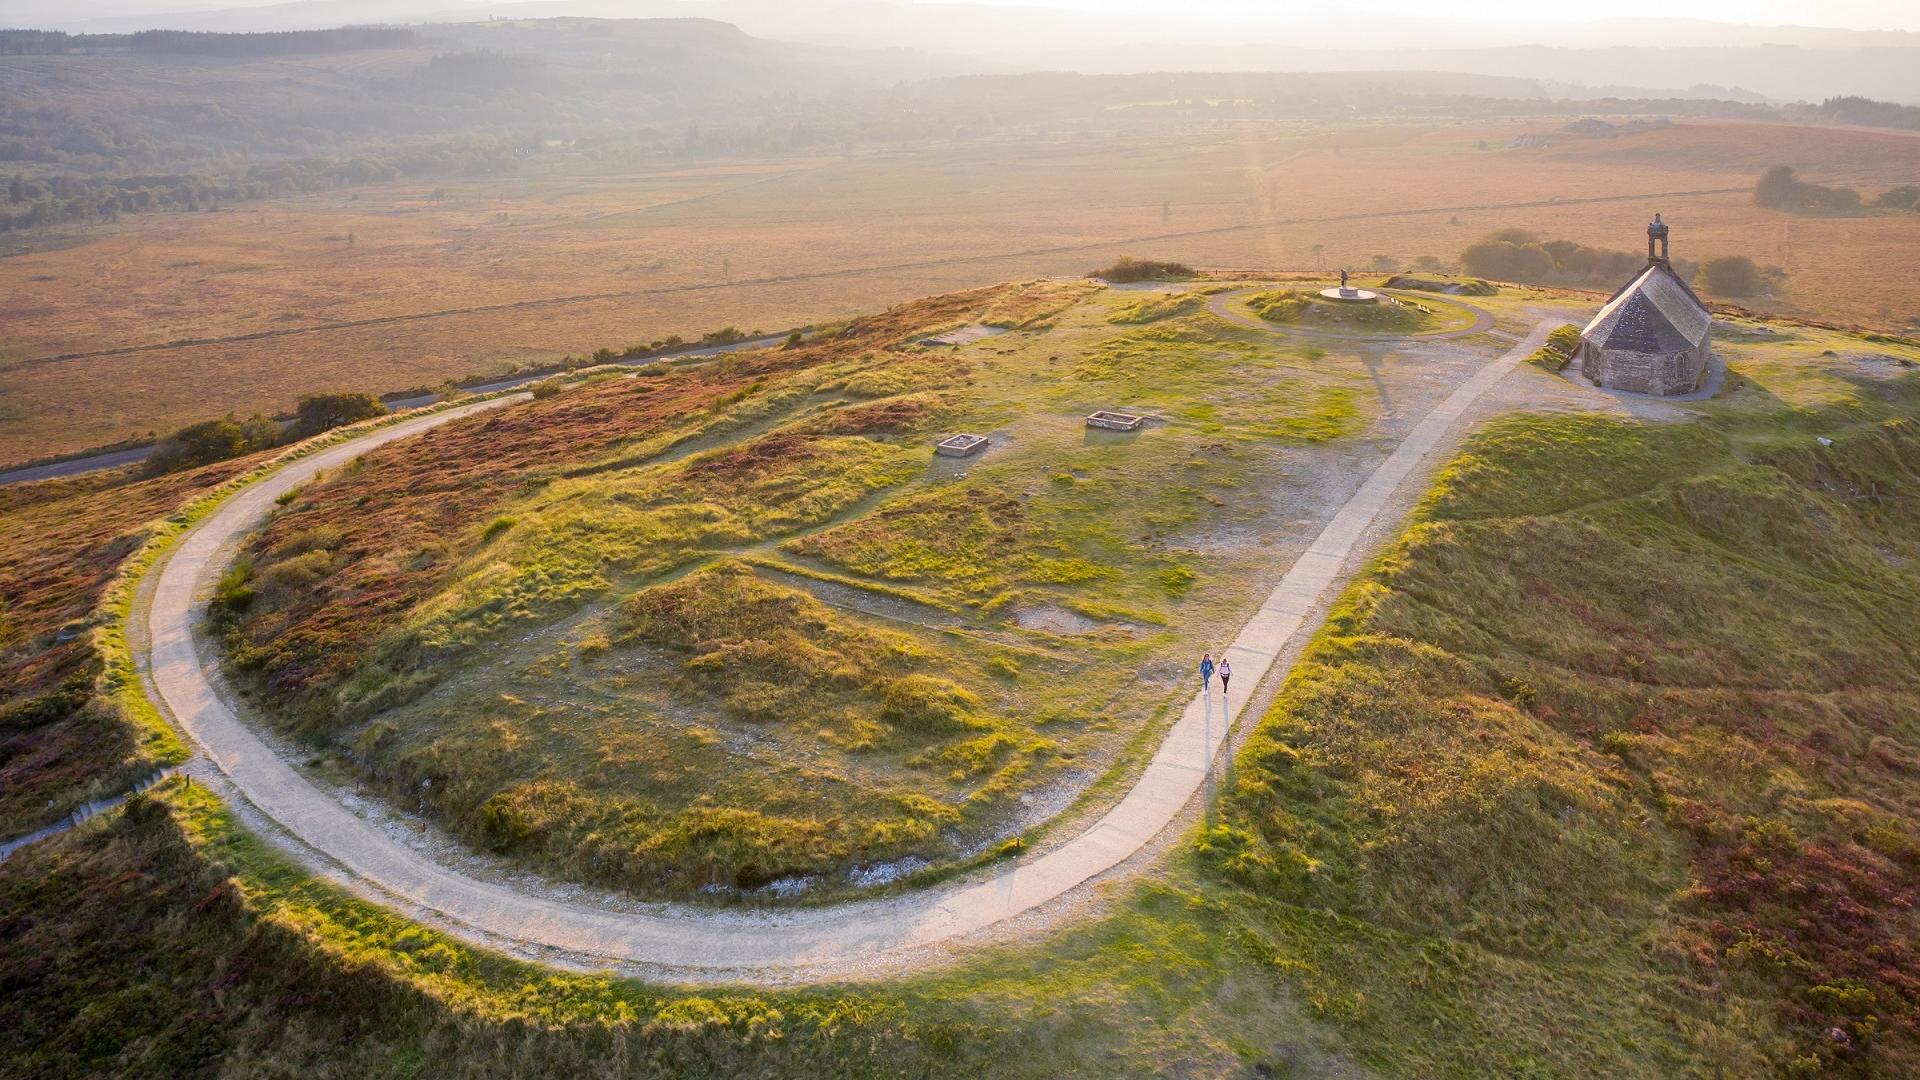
{"x":1115,"y":421}
{"x":960,"y":445}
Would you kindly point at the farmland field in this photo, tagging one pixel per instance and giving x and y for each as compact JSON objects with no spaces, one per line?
{"x":482,"y":275}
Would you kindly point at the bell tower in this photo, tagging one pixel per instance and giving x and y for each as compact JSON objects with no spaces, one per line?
{"x":1656,"y":238}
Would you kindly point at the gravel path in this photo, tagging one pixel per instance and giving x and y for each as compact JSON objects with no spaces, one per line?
{"x":859,"y":937}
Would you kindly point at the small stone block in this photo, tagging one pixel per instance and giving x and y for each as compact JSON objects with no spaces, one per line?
{"x":960,"y":445}
{"x":1115,"y":421}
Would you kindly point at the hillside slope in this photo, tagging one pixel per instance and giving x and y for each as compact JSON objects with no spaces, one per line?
{"x":1621,"y":736}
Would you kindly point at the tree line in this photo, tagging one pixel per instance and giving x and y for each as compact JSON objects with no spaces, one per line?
{"x":66,"y":199}
{"x":217,"y":440}
{"x":1519,"y":255}
{"x":249,"y":46}
{"x":1870,"y":113}
{"x":1782,"y":189}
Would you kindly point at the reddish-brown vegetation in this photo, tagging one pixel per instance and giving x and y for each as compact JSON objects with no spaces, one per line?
{"x":397,"y":524}
{"x":61,"y":545}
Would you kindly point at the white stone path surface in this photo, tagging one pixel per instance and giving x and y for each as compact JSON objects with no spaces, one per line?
{"x":701,"y":944}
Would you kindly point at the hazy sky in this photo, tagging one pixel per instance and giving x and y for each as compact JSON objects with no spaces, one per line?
{"x":1857,"y":14}
{"x":1854,"y":14}
{"x":1328,"y":23}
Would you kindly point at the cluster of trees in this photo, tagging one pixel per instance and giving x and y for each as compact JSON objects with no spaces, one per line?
{"x":1518,"y":255}
{"x":286,"y":43}
{"x":283,"y":43}
{"x":1782,"y":189}
{"x":1870,"y":113}
{"x":34,"y":42}
{"x":1734,"y":275}
{"x":227,"y":437}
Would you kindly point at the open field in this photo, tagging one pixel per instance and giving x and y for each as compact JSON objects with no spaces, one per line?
{"x":780,"y":243}
{"x":1573,"y":661}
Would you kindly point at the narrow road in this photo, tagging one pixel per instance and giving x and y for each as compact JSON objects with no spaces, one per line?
{"x":861,"y":936}
{"x":1101,"y":244}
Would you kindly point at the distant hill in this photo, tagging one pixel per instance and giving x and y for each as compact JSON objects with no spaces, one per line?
{"x":163,"y":101}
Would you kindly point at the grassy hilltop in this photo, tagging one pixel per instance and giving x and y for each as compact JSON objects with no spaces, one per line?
{"x":1603,"y":768}
{"x":730,"y":627}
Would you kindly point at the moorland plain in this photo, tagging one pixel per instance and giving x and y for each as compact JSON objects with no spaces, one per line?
{"x":484,"y":274}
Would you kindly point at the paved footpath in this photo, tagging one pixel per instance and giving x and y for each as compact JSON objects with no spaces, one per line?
{"x":701,"y":944}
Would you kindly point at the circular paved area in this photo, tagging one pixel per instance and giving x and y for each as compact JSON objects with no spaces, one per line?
{"x":1222,"y":305}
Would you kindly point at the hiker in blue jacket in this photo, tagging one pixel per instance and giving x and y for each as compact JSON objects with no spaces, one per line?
{"x":1206,"y":671}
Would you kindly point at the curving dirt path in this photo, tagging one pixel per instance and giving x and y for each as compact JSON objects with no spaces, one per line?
{"x":868,"y":936}
{"x":1221,"y":305}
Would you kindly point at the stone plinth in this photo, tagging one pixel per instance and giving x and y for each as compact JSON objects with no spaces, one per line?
{"x":1350,"y":296}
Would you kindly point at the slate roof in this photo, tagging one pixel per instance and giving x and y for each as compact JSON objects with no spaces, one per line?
{"x":1653,"y":313}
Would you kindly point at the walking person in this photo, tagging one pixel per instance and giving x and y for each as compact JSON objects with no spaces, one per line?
{"x":1226,"y":675}
{"x":1206,"y":671}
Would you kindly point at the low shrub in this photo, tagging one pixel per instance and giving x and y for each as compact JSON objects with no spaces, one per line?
{"x":1732,"y":275}
{"x":234,"y":591}
{"x":1129,"y":270}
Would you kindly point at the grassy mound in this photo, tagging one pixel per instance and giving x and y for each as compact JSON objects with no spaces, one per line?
{"x":1293,"y":307}
{"x":1155,"y":308}
{"x":1460,"y":287}
{"x":1558,"y":350}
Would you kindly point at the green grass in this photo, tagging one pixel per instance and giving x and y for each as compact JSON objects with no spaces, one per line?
{"x":272,"y":971}
{"x":1578,"y":740}
{"x":588,"y":678}
{"x":1292,"y":307}
{"x":1154,"y":308}
{"x":1558,"y":350}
